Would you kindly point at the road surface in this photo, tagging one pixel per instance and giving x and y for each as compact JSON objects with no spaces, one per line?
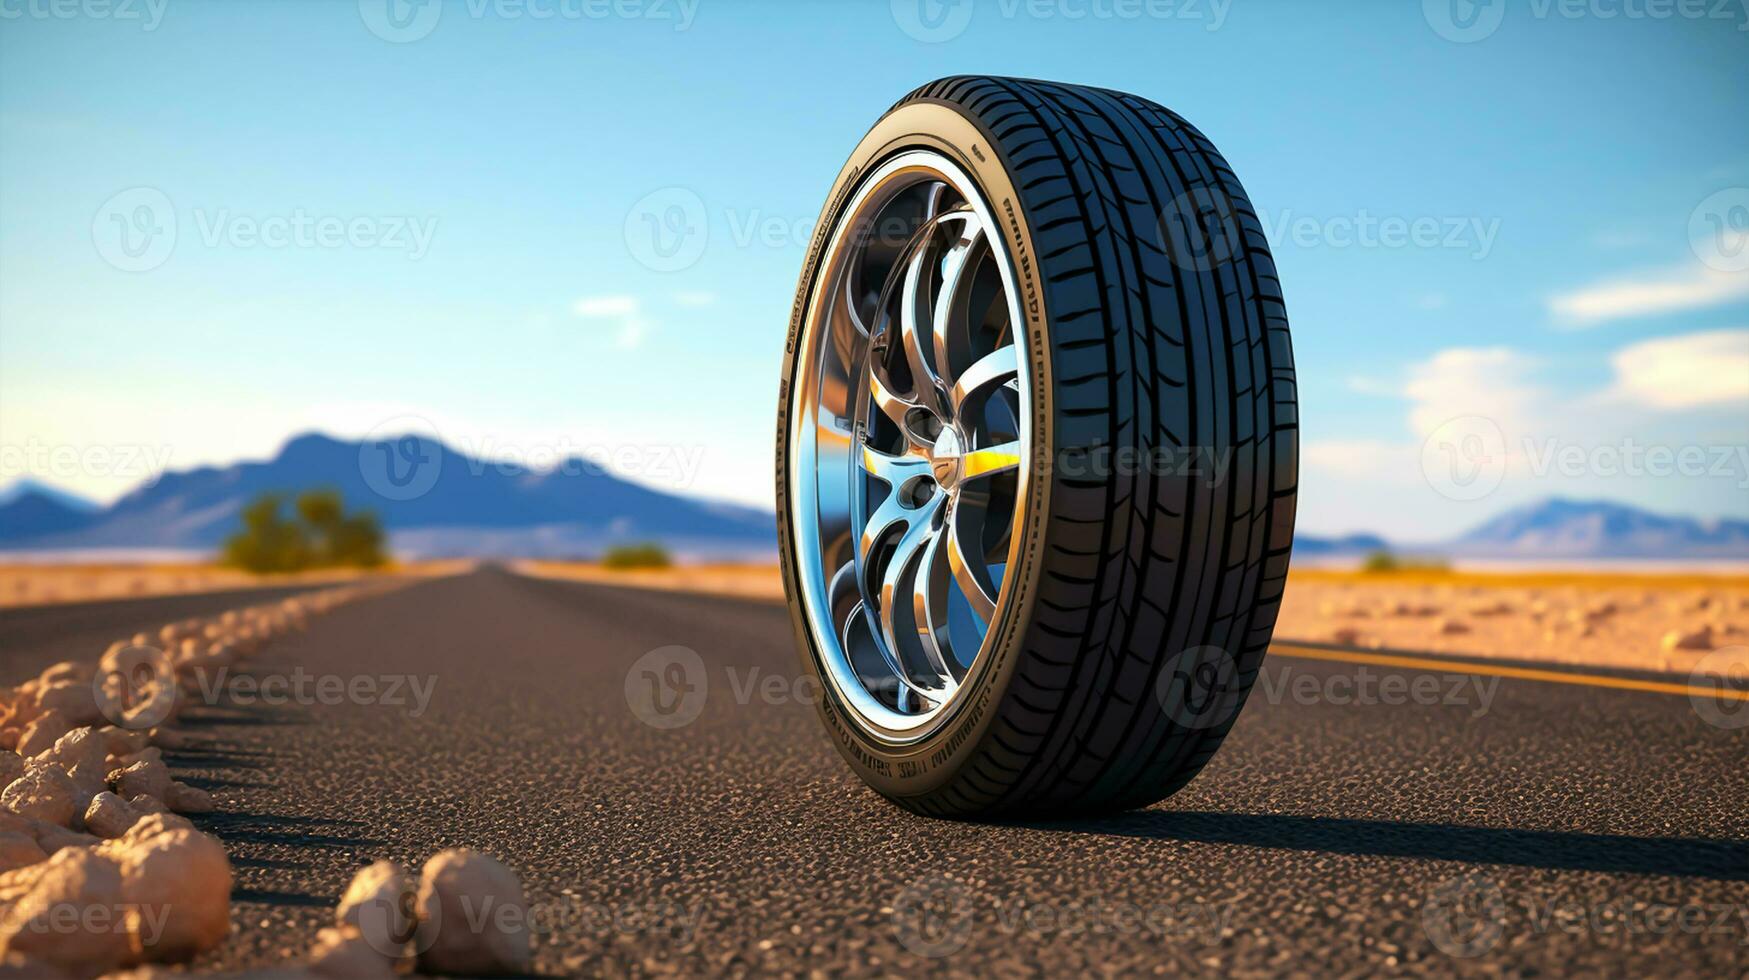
{"x":1439,"y":821}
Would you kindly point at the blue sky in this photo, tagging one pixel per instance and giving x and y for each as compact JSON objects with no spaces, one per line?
{"x":1537,"y":233}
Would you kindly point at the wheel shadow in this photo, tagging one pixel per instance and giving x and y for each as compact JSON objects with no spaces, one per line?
{"x":1685,"y":857}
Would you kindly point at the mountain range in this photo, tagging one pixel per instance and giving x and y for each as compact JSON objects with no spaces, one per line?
{"x":434,"y":500}
{"x":441,"y":502}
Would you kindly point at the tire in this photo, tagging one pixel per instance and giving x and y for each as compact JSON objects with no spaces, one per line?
{"x":1153,"y":498}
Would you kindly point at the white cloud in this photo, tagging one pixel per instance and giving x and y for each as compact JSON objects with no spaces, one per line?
{"x":1670,"y":396}
{"x":695,"y":299}
{"x":1668,"y":291}
{"x":605,"y":306}
{"x":1465,"y":381}
{"x":1683,"y":372}
{"x":624,"y":311}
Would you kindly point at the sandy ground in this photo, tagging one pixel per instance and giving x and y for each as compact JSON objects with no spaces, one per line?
{"x":38,"y":585}
{"x":1662,"y":622}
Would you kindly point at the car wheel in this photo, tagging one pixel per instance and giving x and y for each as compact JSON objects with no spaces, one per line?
{"x":1037,"y":451}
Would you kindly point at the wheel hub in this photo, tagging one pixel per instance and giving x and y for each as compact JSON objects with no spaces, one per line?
{"x":945,"y":459}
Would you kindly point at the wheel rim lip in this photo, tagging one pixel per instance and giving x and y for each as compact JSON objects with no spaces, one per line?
{"x":898,"y":172}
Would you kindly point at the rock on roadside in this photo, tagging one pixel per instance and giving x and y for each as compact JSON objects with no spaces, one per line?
{"x":472,"y":917}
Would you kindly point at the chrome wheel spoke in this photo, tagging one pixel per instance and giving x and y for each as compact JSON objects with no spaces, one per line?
{"x":914,"y":323}
{"x":985,"y":375}
{"x":929,"y":600}
{"x":990,"y":460}
{"x":894,"y":470}
{"x":899,"y":582}
{"x":977,"y":592}
{"x":950,"y":316}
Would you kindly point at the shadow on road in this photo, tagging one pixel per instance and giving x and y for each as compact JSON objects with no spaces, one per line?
{"x":1555,"y":850}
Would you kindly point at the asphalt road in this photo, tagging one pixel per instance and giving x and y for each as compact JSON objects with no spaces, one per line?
{"x":1349,"y":825}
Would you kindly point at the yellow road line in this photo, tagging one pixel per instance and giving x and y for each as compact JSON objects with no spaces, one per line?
{"x":1500,"y":670}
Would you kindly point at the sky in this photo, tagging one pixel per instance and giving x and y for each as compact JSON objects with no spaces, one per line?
{"x":1513,"y":237}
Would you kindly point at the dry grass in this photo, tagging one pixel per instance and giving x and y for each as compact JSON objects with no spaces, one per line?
{"x":1594,"y":618}
{"x":1628,"y":620}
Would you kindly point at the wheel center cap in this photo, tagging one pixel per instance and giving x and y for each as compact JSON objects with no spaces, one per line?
{"x":945,"y":458}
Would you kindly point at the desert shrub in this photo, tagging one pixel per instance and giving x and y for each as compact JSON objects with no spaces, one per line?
{"x":1384,"y":562}
{"x":1380,"y":561}
{"x":647,"y":555}
{"x":322,"y":535}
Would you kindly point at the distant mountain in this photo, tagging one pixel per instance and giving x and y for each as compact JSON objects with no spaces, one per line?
{"x":432,"y":500}
{"x":35,"y":512}
{"x":24,"y":485}
{"x":1561,"y":528}
{"x":1351,"y":544}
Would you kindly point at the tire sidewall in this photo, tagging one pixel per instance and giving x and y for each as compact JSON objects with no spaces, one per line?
{"x":924,"y":766}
